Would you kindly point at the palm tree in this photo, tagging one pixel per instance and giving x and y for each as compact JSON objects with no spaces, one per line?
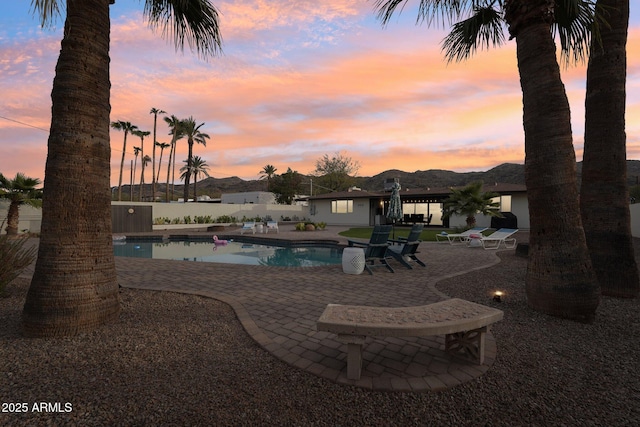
{"x":20,"y":190}
{"x":198,"y":166}
{"x":604,"y":194}
{"x":141,"y":134}
{"x":162,"y":146}
{"x":74,"y":287}
{"x":268,"y":172}
{"x":136,"y":152}
{"x":560,"y":280}
{"x":127,"y":128}
{"x":193,"y":134}
{"x":175,"y":125}
{"x":469,"y":201}
{"x":155,"y":112}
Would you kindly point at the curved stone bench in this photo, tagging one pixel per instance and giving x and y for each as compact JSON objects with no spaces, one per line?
{"x":463,"y":323}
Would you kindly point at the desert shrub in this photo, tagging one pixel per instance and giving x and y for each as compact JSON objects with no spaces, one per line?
{"x":300,"y":226}
{"x":187,"y":219}
{"x":226,"y":218}
{"x":14,"y":258}
{"x":321,"y":225}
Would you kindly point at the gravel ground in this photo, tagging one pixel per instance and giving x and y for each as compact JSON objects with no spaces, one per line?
{"x":177,"y":359}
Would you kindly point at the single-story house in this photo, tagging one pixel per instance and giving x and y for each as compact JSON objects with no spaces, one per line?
{"x":365,"y":208}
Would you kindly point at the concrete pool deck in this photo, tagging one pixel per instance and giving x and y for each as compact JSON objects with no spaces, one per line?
{"x":279,"y":307}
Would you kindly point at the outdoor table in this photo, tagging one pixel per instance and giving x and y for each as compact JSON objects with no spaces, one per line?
{"x":353,"y":260}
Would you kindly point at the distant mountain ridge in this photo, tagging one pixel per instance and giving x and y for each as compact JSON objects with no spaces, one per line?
{"x":506,"y":173}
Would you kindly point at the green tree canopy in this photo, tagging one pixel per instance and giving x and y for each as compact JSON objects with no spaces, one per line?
{"x":469,"y":201}
{"x":335,"y":173}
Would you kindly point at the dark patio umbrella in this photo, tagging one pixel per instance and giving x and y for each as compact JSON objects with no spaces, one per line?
{"x":395,"y":207}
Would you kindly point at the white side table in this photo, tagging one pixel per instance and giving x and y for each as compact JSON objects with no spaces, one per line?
{"x":353,"y":260}
{"x":259,"y":228}
{"x":475,"y":240}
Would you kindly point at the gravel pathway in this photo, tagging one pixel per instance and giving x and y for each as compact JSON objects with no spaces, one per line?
{"x":177,"y":359}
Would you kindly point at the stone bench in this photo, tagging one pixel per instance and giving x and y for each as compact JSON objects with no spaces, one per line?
{"x":463,"y":323}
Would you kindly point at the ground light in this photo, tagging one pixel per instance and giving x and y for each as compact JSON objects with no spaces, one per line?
{"x":497,"y":296}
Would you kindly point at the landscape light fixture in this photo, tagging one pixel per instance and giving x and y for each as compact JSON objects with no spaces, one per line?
{"x":497,"y":296}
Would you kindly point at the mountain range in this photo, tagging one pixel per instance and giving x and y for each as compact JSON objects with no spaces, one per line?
{"x":506,"y":173}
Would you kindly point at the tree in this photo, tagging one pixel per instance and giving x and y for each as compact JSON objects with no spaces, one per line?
{"x":155,"y":112}
{"x":20,"y":190}
{"x":604,"y":194}
{"x":141,"y":134}
{"x":287,"y":186}
{"x":74,"y":287}
{"x":193,"y":134}
{"x":469,"y":201}
{"x":136,"y":153}
{"x":127,"y":128}
{"x":267,"y":173}
{"x":198,"y":167}
{"x":560,"y":280}
{"x":144,"y":161}
{"x":336,"y":172}
{"x":175,"y":125}
{"x":162,"y":146}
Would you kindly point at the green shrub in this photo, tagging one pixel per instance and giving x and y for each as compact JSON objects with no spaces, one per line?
{"x":321,"y":225}
{"x":187,"y":219}
{"x":14,"y":258}
{"x":300,"y":226}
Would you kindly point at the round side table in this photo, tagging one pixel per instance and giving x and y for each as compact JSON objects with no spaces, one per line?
{"x":353,"y":260}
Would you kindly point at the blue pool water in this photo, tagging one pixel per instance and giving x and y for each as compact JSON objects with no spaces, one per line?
{"x":231,"y":253}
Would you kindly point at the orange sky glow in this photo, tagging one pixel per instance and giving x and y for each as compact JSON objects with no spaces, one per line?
{"x":297,"y":80}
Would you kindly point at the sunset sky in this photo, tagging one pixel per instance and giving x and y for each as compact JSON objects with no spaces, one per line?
{"x":298,"y":79}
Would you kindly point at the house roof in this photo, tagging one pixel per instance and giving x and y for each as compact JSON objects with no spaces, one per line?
{"x":418,"y":192}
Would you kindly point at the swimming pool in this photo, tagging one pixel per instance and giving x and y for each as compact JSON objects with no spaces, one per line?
{"x":231,"y":253}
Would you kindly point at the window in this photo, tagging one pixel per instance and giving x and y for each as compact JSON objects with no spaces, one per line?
{"x":341,"y":206}
{"x":505,"y":202}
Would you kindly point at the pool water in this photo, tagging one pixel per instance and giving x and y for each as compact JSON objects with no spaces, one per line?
{"x":231,"y":253}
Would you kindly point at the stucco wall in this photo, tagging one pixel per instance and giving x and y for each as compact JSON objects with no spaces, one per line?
{"x":31,"y":218}
{"x":320,"y":211}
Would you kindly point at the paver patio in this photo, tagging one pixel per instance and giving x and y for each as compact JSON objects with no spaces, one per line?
{"x":279,"y":307}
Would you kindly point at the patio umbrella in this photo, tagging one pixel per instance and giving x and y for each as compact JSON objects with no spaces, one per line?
{"x":395,"y":207}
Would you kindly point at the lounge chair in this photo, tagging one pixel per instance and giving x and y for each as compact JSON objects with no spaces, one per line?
{"x":406,"y":248}
{"x":376,"y":248}
{"x":460,"y":237}
{"x":272,"y":225}
{"x":248,"y":226}
{"x":502,"y":236}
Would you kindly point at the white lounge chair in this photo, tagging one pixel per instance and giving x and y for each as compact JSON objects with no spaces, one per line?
{"x":502,"y":236}
{"x":272,"y":225}
{"x":460,"y":237}
{"x":248,"y":226}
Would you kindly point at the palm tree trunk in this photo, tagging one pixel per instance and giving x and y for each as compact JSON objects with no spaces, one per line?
{"x":13,"y":219}
{"x":604,"y":197}
{"x":124,"y":150}
{"x":187,"y":177}
{"x":140,"y":191}
{"x":171,"y":150}
{"x":560,"y":280}
{"x":153,"y":159}
{"x":74,"y":287}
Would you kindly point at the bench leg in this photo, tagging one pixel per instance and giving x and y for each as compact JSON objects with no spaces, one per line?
{"x":354,"y":354}
{"x":468,"y":345}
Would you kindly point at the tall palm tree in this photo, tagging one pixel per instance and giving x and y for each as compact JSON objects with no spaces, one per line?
{"x":162,"y":146}
{"x":20,"y":190}
{"x":141,"y":134}
{"x":74,"y":287}
{"x":198,"y":167}
{"x":193,"y":134}
{"x":560,"y":280}
{"x":127,"y":128}
{"x":268,"y":171}
{"x":604,"y":195}
{"x":155,"y":112}
{"x":136,"y":153}
{"x":469,"y":201}
{"x":175,"y":125}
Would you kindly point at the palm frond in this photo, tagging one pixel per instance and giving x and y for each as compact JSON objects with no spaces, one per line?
{"x":431,"y":11}
{"x":195,"y":21}
{"x":47,"y":10}
{"x":482,"y":30}
{"x":574,"y":26}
